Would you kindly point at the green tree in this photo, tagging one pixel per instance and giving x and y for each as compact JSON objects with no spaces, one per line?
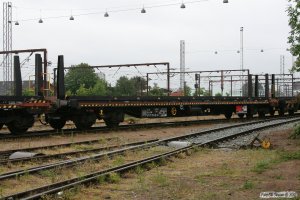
{"x":218,"y":94}
{"x":80,"y":75}
{"x":187,"y":90}
{"x":156,"y":91}
{"x":100,"y":88}
{"x":206,"y":93}
{"x":110,"y":90}
{"x":124,"y":87}
{"x":129,"y":87}
{"x":28,"y":92}
{"x":200,"y":91}
{"x":294,"y":38}
{"x":68,"y":93}
{"x":82,"y":91}
{"x":139,"y":84}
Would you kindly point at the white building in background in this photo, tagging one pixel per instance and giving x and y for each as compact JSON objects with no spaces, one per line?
{"x":101,"y":75}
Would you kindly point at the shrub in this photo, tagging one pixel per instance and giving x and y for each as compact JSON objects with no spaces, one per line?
{"x":160,"y":179}
{"x":286,"y":156}
{"x":119,"y":160}
{"x":248,"y":185}
{"x":261,"y":166}
{"x":139,"y":170}
{"x":101,"y":179}
{"x":296,"y":132}
{"x":114,"y":178}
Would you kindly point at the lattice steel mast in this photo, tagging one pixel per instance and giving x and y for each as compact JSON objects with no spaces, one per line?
{"x":7,"y":46}
{"x":182,"y":65}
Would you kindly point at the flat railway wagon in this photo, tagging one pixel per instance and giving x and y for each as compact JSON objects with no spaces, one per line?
{"x":18,"y":112}
{"x":85,"y":110}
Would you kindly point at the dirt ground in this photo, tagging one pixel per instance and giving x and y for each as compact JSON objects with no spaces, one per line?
{"x":210,"y":174}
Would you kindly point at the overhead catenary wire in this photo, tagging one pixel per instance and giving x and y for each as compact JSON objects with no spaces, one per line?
{"x":261,"y":50}
{"x":74,"y":9}
{"x":67,"y":16}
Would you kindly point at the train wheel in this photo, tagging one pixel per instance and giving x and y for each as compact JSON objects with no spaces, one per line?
{"x":241,"y":115}
{"x":261,"y":114}
{"x":21,"y":124}
{"x":113,"y":118}
{"x":281,"y":112}
{"x":249,"y":115}
{"x":85,"y":121}
{"x":57,"y":123}
{"x":272,"y":112}
{"x":228,"y":115}
{"x":291,"y":112}
{"x":282,"y":107}
{"x":16,"y":129}
{"x":111,"y":123}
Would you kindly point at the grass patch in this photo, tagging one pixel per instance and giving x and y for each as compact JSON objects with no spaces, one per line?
{"x":209,"y":196}
{"x":80,"y":175}
{"x":248,"y":185}
{"x":200,"y":179}
{"x":286,"y":156}
{"x":119,"y":160}
{"x":207,"y":174}
{"x":181,"y":155}
{"x":114,"y":178}
{"x":162,"y":162}
{"x":279,"y":177}
{"x":101,"y":179}
{"x":151,"y":165}
{"x":262,"y":166}
{"x":47,"y":173}
{"x":296,"y":132}
{"x":82,"y":147}
{"x":225,"y":169}
{"x":139,"y":170}
{"x":201,"y":149}
{"x":142,"y":183}
{"x":71,"y":193}
{"x":160,"y":179}
{"x":102,"y":140}
{"x":1,"y":192}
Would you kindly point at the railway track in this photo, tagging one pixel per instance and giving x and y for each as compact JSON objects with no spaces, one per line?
{"x":197,"y":139}
{"x":71,"y":153}
{"x":5,"y":154}
{"x":73,"y":131}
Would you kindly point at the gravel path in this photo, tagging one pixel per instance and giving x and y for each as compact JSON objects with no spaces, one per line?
{"x":242,"y":140}
{"x":247,"y":139}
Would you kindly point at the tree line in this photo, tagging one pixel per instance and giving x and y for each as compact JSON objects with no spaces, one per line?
{"x":82,"y":80}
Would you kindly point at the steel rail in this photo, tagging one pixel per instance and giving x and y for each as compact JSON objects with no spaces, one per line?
{"x":121,"y":127}
{"x":72,"y":153}
{"x":67,"y":184}
{"x":74,"y":131}
{"x":5,"y":153}
{"x":96,"y":157}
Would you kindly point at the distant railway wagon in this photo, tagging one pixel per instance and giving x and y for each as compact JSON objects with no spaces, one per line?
{"x":18,"y":112}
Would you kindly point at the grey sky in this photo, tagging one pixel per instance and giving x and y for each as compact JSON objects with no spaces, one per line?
{"x":132,"y":37}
